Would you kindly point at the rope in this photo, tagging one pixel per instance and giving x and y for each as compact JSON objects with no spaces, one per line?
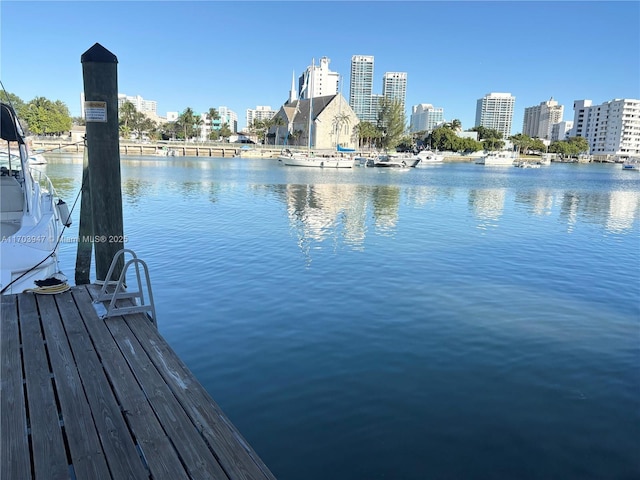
{"x":50,"y":290}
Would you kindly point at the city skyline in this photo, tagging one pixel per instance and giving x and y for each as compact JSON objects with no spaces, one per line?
{"x":452,"y":60}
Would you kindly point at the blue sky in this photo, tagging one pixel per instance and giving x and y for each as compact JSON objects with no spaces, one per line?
{"x":242,"y":54}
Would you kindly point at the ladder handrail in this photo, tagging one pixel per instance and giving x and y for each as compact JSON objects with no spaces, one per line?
{"x":103,"y":296}
{"x":120,"y":291}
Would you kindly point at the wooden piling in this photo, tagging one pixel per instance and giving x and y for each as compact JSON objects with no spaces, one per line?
{"x":99,"y":68}
{"x":85,"y":228}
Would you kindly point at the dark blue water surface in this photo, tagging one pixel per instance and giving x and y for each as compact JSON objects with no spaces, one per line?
{"x":459,"y":321}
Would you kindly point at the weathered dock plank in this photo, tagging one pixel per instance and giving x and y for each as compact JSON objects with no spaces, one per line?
{"x":203,"y":411}
{"x":48,"y":451}
{"x":87,"y":457}
{"x":14,"y":454}
{"x":117,"y":444}
{"x":86,"y":398}
{"x":155,"y":446}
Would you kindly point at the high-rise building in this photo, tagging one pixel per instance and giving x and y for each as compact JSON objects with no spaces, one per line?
{"x":495,"y":111}
{"x":148,"y":107}
{"x":394,"y":87}
{"x":612,"y":128}
{"x":318,"y":81}
{"x":225,"y":117}
{"x":580,"y":109}
{"x":539,"y":120}
{"x":424,"y":117}
{"x":229,"y":117}
{"x":361,"y":88}
{"x":259,"y":113}
{"x":561,"y":130}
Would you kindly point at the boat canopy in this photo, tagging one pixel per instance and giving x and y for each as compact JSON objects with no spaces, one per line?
{"x":10,"y":129}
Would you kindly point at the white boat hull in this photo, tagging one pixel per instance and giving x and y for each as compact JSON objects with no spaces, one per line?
{"x":498,"y":159}
{"x":318,"y":162}
{"x":30,"y":218}
{"x":429,"y":158}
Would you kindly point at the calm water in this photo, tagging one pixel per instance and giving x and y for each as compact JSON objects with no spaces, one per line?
{"x":454,"y":322}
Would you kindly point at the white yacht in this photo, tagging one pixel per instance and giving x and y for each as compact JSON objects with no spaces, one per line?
{"x":427,"y":157}
{"x":310,"y":160}
{"x":34,"y":158}
{"x":31,"y":216}
{"x":502,"y":158}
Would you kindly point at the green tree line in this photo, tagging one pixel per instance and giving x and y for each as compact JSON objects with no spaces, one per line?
{"x":445,"y":138}
{"x":40,"y":116}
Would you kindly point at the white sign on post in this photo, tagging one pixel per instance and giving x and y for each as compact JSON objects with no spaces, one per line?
{"x":95,"y":111}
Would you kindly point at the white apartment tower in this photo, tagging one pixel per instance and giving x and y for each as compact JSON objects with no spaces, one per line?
{"x":148,"y":107}
{"x":394,"y":86}
{"x":229,"y":117}
{"x":259,"y":113}
{"x":612,"y":128}
{"x":539,"y":120}
{"x":495,"y":111}
{"x":561,"y":130}
{"x":424,"y":117}
{"x":318,"y":81}
{"x":580,"y":109}
{"x":361,"y":88}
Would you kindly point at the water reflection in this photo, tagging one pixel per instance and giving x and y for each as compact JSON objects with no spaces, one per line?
{"x":421,"y":196}
{"x":66,"y":187}
{"x":134,"y":189}
{"x":537,"y":202}
{"x":320,"y":212}
{"x":345,"y":207}
{"x":616,"y":211}
{"x":347,"y":212}
{"x":385,"y":201}
{"x":488,"y":205}
{"x":623,"y":209}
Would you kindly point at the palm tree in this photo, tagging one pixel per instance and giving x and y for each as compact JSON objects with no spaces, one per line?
{"x":338,"y":121}
{"x":197,"y":124}
{"x":186,"y":120}
{"x":257,"y":128}
{"x":212,"y":115}
{"x":266,"y":125}
{"x":367,"y":132}
{"x":277,"y":121}
{"x":126,"y":114}
{"x":295,"y":136}
{"x":225,"y":131}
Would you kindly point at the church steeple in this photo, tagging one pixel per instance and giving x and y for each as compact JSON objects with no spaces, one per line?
{"x":293,"y":93}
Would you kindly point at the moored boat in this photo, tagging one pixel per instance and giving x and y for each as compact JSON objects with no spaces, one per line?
{"x":632,"y":163}
{"x":409,"y":159}
{"x":387,"y":161}
{"x":545,"y":159}
{"x":501,"y":159}
{"x":34,"y":158}
{"x":31,"y":217}
{"x":525,"y":164}
{"x":427,"y":157}
{"x":310,"y":160}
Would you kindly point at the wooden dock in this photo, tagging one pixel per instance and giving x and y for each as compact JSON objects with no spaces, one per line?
{"x":85,"y":398}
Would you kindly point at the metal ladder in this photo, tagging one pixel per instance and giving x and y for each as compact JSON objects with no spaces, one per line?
{"x":140,"y":305}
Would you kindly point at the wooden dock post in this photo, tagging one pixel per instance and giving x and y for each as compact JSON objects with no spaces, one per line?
{"x":99,"y":69}
{"x":85,"y":229}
